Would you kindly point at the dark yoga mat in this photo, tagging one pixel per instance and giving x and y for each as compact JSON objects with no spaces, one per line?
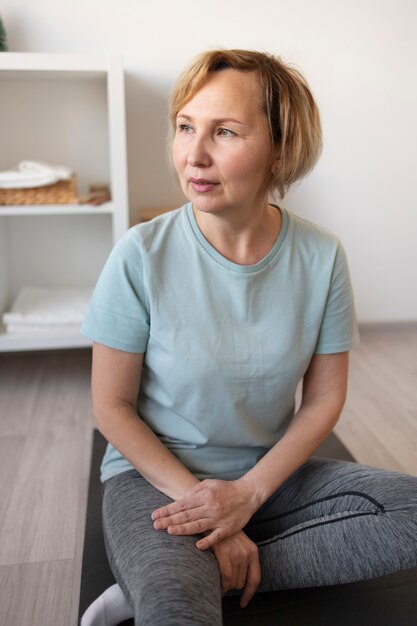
{"x":385,"y":601}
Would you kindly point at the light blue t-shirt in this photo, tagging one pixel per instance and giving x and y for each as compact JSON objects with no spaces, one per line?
{"x":225,"y":344}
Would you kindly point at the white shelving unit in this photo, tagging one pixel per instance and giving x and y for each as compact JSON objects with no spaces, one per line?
{"x":67,"y":109}
{"x":57,"y":209}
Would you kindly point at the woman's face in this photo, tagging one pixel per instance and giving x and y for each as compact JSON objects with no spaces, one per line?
{"x":222,"y":148}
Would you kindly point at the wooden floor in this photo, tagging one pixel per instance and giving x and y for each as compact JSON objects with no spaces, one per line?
{"x":45,"y":443}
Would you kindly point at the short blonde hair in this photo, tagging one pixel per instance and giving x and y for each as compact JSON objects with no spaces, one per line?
{"x":293,"y":116}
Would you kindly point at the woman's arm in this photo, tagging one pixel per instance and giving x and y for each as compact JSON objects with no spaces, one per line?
{"x":323,"y":398}
{"x":226,"y":506}
{"x":115,"y":385}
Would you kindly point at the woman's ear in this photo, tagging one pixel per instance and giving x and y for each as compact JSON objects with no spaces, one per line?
{"x":276,"y":162}
{"x":280,"y":155}
{"x":276,"y":157}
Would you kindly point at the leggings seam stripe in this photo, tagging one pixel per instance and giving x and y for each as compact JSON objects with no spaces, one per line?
{"x":379,"y":506}
{"x":324,"y":523}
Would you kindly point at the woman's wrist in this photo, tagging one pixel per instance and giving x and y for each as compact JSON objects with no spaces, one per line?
{"x":254,"y":492}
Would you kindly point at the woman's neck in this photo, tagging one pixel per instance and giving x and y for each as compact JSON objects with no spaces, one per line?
{"x":244,"y":240}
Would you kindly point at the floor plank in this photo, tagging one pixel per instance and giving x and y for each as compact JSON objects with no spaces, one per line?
{"x":11,"y":448}
{"x":36,"y":594}
{"x":40,"y":522}
{"x":379,"y":421}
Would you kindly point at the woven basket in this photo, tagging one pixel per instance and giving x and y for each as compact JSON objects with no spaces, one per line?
{"x":62,"y":192}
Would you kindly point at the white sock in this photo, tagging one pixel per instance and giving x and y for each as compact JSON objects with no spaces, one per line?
{"x":109,"y":609}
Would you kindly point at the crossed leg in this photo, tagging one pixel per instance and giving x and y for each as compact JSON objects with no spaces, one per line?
{"x":331,"y":522}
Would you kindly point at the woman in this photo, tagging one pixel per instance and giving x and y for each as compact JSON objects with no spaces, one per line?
{"x":204,"y":321}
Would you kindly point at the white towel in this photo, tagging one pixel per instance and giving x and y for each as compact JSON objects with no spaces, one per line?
{"x":39,"y":167}
{"x":33,"y":174}
{"x":19,"y":180}
{"x":43,"y":308}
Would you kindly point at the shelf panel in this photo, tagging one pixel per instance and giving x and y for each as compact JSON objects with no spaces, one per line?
{"x":73,"y":65}
{"x":38,"y":341}
{"x":56,"y":209}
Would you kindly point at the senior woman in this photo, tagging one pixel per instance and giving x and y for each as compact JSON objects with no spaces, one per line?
{"x":204,"y":321}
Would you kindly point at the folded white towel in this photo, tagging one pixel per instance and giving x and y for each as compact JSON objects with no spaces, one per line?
{"x":19,"y":180}
{"x":41,"y":307}
{"x":33,"y":174}
{"x":40,"y":167}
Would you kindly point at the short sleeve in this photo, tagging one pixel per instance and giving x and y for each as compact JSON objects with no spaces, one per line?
{"x":118,"y":314}
{"x":339,"y":328}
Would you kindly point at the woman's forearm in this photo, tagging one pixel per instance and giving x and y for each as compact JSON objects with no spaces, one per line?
{"x":142,"y":448}
{"x":307,"y":430}
{"x":324,"y":394}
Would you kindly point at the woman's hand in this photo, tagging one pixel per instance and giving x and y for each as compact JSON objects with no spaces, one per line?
{"x":224,"y":507}
{"x":238,"y":561}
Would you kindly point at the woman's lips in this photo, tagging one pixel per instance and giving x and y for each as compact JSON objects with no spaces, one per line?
{"x":201,"y":185}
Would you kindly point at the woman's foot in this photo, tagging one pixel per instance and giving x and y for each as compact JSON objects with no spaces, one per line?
{"x":110,"y":609}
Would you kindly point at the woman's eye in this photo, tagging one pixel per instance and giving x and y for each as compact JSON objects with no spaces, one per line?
{"x":225,"y":132}
{"x":184,"y":128}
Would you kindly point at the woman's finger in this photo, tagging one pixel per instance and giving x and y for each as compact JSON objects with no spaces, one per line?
{"x":192,"y":528}
{"x":177,"y":519}
{"x":241,"y":575}
{"x":226,"y":576}
{"x":210,"y":540}
{"x":252,"y":581}
{"x":184,"y":504}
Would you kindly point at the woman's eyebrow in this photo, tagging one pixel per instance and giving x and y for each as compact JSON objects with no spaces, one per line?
{"x":220,"y":120}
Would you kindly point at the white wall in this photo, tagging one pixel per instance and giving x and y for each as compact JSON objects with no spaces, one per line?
{"x":359,"y":57}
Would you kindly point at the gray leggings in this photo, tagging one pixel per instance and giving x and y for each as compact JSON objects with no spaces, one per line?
{"x":331,"y":522}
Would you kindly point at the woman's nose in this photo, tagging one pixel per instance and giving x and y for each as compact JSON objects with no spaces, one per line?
{"x":198,"y":153}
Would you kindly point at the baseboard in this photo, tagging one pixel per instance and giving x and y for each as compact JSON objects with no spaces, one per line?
{"x":408,"y":326}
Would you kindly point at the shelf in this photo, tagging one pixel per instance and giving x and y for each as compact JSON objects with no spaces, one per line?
{"x":39,"y":341}
{"x":25,"y":64}
{"x":69,"y":109}
{"x":56,"y":209}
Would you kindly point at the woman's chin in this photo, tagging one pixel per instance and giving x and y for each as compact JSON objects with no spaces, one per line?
{"x":205,"y":204}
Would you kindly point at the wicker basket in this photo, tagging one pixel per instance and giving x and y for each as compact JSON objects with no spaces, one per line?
{"x":62,"y":192}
